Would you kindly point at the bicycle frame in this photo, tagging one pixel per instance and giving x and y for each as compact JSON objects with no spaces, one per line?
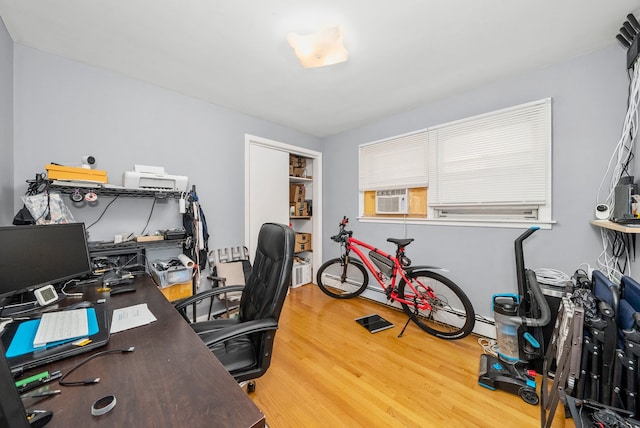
{"x":353,"y":244}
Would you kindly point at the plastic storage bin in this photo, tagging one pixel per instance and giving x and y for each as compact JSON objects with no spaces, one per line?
{"x":170,"y":272}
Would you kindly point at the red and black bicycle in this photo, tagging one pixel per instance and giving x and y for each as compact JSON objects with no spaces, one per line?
{"x":432,"y":301}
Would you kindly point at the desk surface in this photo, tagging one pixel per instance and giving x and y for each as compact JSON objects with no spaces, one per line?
{"x":171,"y":380}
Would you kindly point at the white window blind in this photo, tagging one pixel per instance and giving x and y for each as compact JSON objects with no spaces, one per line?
{"x":501,"y":158}
{"x":399,"y":162}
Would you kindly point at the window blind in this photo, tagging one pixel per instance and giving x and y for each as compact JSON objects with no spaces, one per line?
{"x":502,"y":157}
{"x":399,"y":162}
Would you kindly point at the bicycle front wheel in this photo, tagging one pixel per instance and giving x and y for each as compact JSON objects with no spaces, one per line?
{"x":450,"y":316}
{"x":342,"y":280}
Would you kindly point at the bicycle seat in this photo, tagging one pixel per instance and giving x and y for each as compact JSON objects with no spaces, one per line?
{"x":400,"y":242}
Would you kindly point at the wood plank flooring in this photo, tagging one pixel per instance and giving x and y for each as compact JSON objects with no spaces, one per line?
{"x":328,"y":371}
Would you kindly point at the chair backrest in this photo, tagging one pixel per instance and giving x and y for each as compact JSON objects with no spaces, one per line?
{"x":267,"y":286}
{"x":630,"y":302}
{"x":605,"y":290}
{"x":219,"y":258}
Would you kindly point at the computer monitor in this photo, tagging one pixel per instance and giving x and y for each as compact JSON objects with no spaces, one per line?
{"x":38,"y":255}
{"x":12,"y":411}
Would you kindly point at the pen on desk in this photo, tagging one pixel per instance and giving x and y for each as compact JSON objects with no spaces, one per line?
{"x":42,"y":394}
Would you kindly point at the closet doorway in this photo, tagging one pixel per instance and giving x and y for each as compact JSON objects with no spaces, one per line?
{"x":267,"y":182}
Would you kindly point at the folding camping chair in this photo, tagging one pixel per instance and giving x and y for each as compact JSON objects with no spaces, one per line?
{"x":228,"y":266}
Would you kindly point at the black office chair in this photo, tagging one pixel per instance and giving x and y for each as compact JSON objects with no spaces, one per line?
{"x":244,"y":344}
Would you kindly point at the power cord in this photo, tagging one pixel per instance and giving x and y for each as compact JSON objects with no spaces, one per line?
{"x":62,"y":290}
{"x":614,"y":260}
{"x":104,"y":211}
{"x":551,"y":276}
{"x":62,"y":382}
{"x":149,"y":218}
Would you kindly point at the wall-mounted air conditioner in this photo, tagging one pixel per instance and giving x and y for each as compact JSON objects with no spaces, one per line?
{"x":392,"y":201}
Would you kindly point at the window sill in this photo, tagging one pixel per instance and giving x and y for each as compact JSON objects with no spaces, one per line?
{"x":513,"y":224}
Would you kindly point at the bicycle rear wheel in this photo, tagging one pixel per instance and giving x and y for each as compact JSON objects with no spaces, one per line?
{"x":451,"y":315}
{"x":342,"y":281}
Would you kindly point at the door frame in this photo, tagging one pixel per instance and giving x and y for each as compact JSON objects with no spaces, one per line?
{"x":316,"y":219}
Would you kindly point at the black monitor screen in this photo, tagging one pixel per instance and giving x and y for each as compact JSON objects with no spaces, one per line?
{"x":33,"y":256}
{"x":12,"y":412}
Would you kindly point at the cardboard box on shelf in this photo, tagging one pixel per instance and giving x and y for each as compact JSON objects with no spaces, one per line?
{"x":297,"y":161}
{"x":296,"y":192}
{"x":299,"y":172}
{"x":303,"y":242}
{"x":149,"y":238}
{"x":70,"y":173}
{"x":299,"y":209}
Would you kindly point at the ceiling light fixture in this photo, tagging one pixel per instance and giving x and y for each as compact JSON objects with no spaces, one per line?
{"x":319,"y":49}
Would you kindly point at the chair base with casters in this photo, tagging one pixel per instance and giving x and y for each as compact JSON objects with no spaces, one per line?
{"x":244,"y":344}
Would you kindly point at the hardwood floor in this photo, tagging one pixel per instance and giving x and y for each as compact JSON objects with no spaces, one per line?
{"x":328,"y":371}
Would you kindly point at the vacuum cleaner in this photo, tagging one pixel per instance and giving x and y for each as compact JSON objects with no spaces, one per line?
{"x":519,"y":320}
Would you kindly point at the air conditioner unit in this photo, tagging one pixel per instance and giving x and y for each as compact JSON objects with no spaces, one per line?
{"x":392,"y":201}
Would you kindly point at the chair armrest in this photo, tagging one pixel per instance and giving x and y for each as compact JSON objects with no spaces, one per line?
{"x":183,"y":303}
{"x":241,"y":329}
{"x":217,"y":279}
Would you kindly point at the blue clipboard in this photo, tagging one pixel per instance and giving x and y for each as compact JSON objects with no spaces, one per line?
{"x":22,"y":342}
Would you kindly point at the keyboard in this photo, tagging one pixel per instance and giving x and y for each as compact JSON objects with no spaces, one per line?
{"x":61,"y":325}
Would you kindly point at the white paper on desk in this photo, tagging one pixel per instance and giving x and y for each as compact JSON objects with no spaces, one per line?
{"x":130,"y":317}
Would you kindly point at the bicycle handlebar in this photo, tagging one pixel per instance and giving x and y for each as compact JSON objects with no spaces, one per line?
{"x":340,"y":237}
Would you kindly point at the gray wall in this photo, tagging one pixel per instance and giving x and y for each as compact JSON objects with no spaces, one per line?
{"x":589,"y":103}
{"x":6,"y":126}
{"x":64,"y":110}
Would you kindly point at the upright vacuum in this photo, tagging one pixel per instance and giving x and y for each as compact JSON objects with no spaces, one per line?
{"x":519,"y":321}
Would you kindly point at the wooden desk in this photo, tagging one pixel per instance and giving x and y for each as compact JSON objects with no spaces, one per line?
{"x":171,"y":380}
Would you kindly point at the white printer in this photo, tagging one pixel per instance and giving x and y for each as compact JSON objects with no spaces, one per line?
{"x":154,"y":178}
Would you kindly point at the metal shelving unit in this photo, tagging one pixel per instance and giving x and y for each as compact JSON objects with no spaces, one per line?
{"x":69,"y":188}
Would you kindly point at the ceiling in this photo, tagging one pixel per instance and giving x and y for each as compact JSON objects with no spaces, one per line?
{"x":234,"y":53}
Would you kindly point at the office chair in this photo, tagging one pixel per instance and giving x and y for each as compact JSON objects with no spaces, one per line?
{"x":244,"y":344}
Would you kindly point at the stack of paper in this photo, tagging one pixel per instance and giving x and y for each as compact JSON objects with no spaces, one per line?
{"x":130,"y":317}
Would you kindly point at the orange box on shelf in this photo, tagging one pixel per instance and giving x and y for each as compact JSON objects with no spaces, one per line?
{"x":177,"y":291}
{"x":71,"y":173}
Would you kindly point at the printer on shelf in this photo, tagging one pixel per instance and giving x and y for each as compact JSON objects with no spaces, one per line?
{"x":154,"y":177}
